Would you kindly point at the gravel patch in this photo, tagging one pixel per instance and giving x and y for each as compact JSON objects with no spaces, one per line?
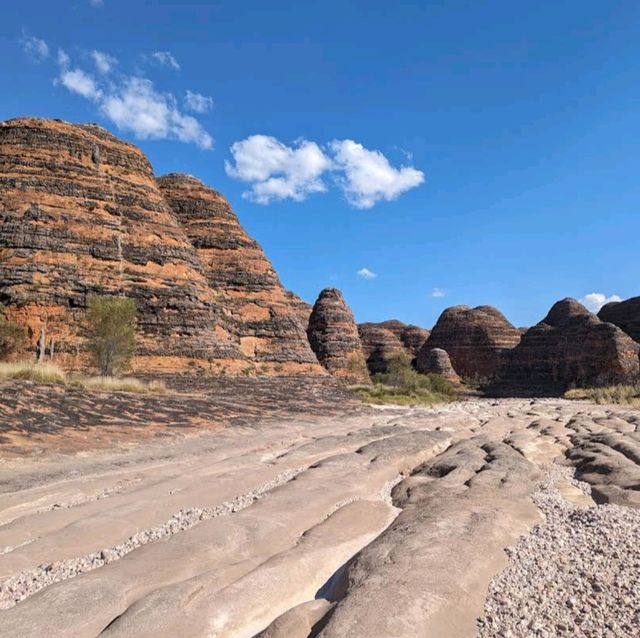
{"x":26,"y":583}
{"x":575,"y":575}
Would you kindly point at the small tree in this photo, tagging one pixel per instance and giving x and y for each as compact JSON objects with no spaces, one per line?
{"x":13,"y":338}
{"x":357,"y":367}
{"x":400,"y":375}
{"x":111,"y":327}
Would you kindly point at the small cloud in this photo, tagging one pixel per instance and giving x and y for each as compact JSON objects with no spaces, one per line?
{"x":96,"y":3}
{"x":35,"y":48}
{"x":438,"y":293}
{"x":277,"y":171}
{"x":165,"y":58}
{"x":77,"y":81}
{"x":197,"y":102}
{"x":368,"y":175}
{"x":365,"y":273}
{"x":137,"y":107}
{"x":103,"y":61}
{"x":63,"y":58}
{"x":595,"y":300}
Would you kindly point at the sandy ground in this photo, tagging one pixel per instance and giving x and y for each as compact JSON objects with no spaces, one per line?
{"x":359,"y":522}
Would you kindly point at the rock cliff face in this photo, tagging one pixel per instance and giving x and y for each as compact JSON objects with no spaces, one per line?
{"x":235,"y":266}
{"x":80,"y":214}
{"x":333,"y":336}
{"x":476,"y":340}
{"x":625,"y":315}
{"x":378,"y":345}
{"x":569,"y":347}
{"x":437,"y":361}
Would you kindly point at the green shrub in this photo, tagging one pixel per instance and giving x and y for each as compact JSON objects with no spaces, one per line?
{"x":111,"y":327}
{"x":13,"y":338}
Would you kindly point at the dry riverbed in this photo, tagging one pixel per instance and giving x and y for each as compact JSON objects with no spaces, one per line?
{"x":491,"y":518}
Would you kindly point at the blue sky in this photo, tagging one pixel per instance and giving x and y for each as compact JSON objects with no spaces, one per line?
{"x":463,"y":152}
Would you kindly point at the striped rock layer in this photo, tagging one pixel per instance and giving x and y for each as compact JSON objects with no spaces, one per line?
{"x":476,"y":340}
{"x":81,"y":214}
{"x":570,"y":347}
{"x":333,"y":336}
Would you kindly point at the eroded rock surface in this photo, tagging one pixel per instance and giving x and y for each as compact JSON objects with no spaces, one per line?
{"x":570,"y":347}
{"x":386,"y":522}
{"x":476,"y":340}
{"x":412,"y":337}
{"x":333,"y":336}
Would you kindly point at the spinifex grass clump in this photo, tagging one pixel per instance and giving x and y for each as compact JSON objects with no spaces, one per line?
{"x":51,"y":373}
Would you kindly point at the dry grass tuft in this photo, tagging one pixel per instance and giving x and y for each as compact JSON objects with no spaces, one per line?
{"x":617,"y":394}
{"x":51,"y":373}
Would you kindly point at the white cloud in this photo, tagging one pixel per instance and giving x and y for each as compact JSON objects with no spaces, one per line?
{"x":365,"y":273}
{"x":595,"y":300}
{"x":197,"y":102}
{"x":77,"y":81}
{"x":35,"y":48}
{"x":63,"y":58}
{"x":137,"y":107}
{"x":165,"y":58}
{"x":278,"y":171}
{"x":103,"y":61}
{"x":96,"y":3}
{"x":438,"y":293}
{"x":368,"y":175}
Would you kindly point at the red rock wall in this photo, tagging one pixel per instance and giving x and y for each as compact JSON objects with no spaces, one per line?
{"x":261,"y":313}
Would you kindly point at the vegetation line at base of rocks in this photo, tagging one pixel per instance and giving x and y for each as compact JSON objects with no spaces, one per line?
{"x":402,"y":385}
{"x":50,"y":373}
{"x":618,"y":394}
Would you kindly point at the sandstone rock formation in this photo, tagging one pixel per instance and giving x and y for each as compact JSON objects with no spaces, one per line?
{"x":300,"y":307}
{"x":412,"y":337}
{"x":569,"y":347}
{"x":624,"y":314}
{"x":80,"y":214}
{"x":378,"y":345}
{"x":236,"y":267}
{"x":476,"y":340}
{"x":333,"y":336}
{"x":437,"y":361}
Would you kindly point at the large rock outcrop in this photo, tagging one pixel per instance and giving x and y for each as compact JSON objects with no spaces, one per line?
{"x":333,"y":336}
{"x":236,"y":267}
{"x":569,"y":347}
{"x":379,"y":345}
{"x":476,"y":340}
{"x":437,"y":361}
{"x":80,"y":214}
{"x":625,"y":315}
